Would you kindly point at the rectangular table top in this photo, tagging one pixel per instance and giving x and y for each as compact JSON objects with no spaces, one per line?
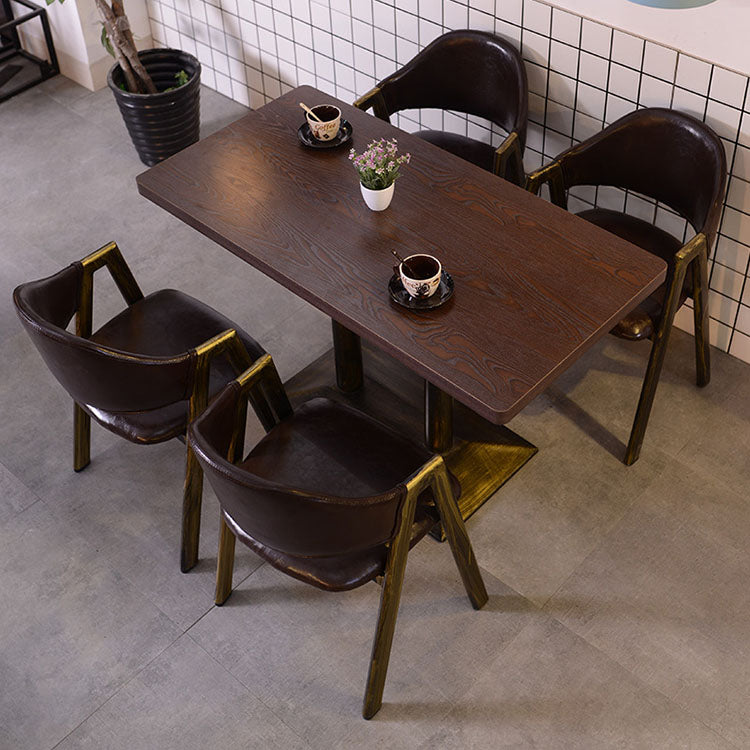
{"x":535,"y":286}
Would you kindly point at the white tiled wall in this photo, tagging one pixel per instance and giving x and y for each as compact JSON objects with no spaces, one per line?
{"x":582,"y":76}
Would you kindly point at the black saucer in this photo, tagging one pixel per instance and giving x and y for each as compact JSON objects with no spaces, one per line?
{"x":401,"y":297}
{"x":309,"y":140}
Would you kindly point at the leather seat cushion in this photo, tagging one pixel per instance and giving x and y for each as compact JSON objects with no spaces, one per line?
{"x":641,"y":322}
{"x":334,"y":450}
{"x":337,"y":573}
{"x":165,"y":323}
{"x":481,"y":154}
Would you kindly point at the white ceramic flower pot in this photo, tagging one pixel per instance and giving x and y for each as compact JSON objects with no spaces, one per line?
{"x":378,"y":200}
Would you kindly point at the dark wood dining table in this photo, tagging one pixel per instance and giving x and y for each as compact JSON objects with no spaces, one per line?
{"x":535,"y":286}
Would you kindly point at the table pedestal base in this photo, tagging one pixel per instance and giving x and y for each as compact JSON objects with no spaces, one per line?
{"x":483,"y":456}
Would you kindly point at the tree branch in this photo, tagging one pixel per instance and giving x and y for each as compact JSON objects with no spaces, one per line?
{"x":130,"y":50}
{"x":118,"y":31}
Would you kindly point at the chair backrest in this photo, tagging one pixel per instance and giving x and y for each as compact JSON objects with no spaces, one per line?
{"x":661,"y":153}
{"x":291,"y":520}
{"x":95,"y":375}
{"x":474,"y":72}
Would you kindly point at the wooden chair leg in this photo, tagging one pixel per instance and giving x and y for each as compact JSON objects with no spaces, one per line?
{"x":646,"y":401}
{"x":225,"y":563}
{"x":700,"y":319}
{"x":81,"y":438}
{"x":389,"y":601}
{"x":675,"y":280}
{"x":458,"y":538}
{"x":191,"y":512}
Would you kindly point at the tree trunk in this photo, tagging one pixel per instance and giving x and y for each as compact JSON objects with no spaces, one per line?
{"x":118,"y":30}
{"x":130,"y":50}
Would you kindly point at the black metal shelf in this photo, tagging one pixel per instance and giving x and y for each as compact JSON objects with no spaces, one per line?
{"x":11,"y":48}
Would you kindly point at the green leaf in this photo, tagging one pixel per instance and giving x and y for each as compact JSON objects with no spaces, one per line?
{"x":105,"y":40}
{"x":181,"y":78}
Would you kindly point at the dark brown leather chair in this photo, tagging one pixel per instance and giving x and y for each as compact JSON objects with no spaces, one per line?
{"x":680,"y":162}
{"x":331,"y":497}
{"x":144,"y":373}
{"x":474,"y":72}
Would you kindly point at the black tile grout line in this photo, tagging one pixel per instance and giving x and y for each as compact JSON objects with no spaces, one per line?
{"x":638,"y":99}
{"x":333,"y":66}
{"x":712,"y":251}
{"x":578,"y":77}
{"x":606,"y":93}
{"x":546,"y":85}
{"x":723,"y":214}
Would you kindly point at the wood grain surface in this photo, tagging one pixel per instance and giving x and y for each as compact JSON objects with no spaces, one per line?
{"x":535,"y":285}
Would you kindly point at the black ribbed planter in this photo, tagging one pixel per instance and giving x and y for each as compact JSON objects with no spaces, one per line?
{"x":161,"y":124}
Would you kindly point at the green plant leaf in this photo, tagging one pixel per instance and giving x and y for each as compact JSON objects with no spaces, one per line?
{"x":105,"y":40}
{"x":181,"y":78}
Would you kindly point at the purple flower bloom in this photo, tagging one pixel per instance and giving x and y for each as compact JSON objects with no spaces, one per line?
{"x":378,"y":164}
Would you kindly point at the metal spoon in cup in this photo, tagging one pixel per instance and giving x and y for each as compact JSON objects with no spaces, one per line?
{"x":310,"y":112}
{"x":404,"y":263}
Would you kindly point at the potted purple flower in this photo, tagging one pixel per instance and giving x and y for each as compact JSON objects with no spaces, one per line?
{"x":378,"y":169}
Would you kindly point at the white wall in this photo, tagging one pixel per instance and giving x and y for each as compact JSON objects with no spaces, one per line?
{"x":717,"y":32}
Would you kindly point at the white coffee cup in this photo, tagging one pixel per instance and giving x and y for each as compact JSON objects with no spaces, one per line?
{"x":422,"y":277}
{"x":331,"y":121}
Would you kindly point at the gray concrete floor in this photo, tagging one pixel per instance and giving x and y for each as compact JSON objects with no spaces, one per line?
{"x":619,"y":612}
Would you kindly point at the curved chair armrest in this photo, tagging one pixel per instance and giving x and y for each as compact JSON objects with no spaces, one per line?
{"x":552,"y":175}
{"x":374,"y":98}
{"x":108,"y":255}
{"x":261,"y":385}
{"x":228,"y":342}
{"x":508,"y":162}
{"x":269,"y":400}
{"x":261,"y":381}
{"x":692,"y":248}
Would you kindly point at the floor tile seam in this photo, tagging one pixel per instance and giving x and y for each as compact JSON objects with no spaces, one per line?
{"x":534,"y":611}
{"x":88,"y":120}
{"x":605,"y":537}
{"x":278,"y":328}
{"x":213,"y":605}
{"x":455,"y":699}
{"x":703,"y":474}
{"x":249,"y":690}
{"x":717,"y":483}
{"x":644,"y":683}
{"x":148,"y":595}
{"x":117,"y":691}
{"x":33,"y":505}
{"x":22,"y":483}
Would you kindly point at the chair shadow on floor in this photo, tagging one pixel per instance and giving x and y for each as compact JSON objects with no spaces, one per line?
{"x":587,"y":423}
{"x":627,"y":362}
